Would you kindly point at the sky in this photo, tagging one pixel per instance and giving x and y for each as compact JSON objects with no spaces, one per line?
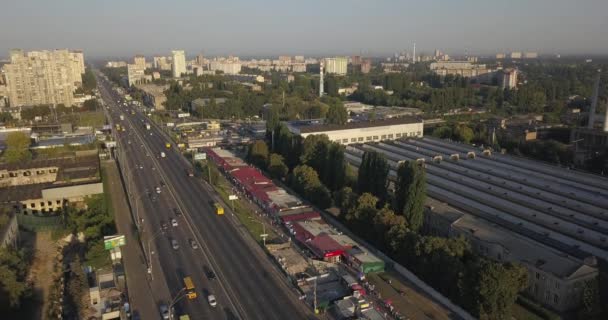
{"x":123,"y":28}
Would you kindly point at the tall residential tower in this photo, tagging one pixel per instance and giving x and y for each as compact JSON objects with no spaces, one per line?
{"x":179,"y":63}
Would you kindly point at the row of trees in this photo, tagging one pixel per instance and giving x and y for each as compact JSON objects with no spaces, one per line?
{"x":94,"y":222}
{"x":487,"y":289}
{"x":13,"y":271}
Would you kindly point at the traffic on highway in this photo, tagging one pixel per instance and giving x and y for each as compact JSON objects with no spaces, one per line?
{"x":198,"y":263}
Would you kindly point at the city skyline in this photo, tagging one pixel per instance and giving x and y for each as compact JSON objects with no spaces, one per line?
{"x":113,"y":28}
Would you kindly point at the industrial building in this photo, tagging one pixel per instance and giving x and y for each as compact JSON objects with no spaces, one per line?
{"x":42,"y":187}
{"x":360,"y":132}
{"x":552,"y":220}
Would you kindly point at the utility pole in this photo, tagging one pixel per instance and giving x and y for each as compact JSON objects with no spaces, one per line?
{"x":315,"y":297}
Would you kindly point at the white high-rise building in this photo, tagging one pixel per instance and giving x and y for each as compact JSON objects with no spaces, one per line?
{"x":179,"y":63}
{"x":337,"y":65}
{"x":43,"y":77}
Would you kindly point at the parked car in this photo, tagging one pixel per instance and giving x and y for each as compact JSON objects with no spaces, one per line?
{"x":174,"y":244}
{"x":193,"y":244}
{"x":164,"y":311}
{"x":209,"y":273}
{"x":212,"y":301}
{"x":174,"y":222}
{"x":177,"y":212}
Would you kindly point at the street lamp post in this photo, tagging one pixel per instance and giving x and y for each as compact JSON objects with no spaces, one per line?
{"x":156,"y":235}
{"x":175,"y":300}
{"x":263,"y":235}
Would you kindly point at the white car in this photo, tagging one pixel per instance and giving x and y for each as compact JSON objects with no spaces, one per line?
{"x":212,"y":301}
{"x":157,"y":189}
{"x":174,"y":222}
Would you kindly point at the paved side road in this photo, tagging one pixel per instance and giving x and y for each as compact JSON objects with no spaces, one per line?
{"x":142,"y":297}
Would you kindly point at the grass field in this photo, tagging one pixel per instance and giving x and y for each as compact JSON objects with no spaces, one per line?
{"x":85,"y":119}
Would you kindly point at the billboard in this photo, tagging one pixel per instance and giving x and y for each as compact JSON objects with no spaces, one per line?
{"x":111,"y":242}
{"x":200,"y":156}
{"x":170,"y":124}
{"x":183,"y":115}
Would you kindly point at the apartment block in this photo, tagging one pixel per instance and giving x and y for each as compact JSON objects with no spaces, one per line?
{"x":179,"y":63}
{"x":43,"y":77}
{"x":336,"y":65}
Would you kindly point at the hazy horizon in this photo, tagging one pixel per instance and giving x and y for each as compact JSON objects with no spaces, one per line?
{"x":269,"y":28}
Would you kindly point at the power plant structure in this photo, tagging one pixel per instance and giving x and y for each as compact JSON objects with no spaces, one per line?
{"x":592,"y":140}
{"x":321,"y":71}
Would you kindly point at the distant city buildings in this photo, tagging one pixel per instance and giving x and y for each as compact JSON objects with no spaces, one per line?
{"x":116,"y":64}
{"x":530,"y":55}
{"x":162,"y":63}
{"x":140,"y":61}
{"x":366,"y":65}
{"x":508,"y":79}
{"x":516,"y":55}
{"x":360,"y":132}
{"x":230,"y":65}
{"x":336,"y":65}
{"x":136,"y":71}
{"x":179,"y":63}
{"x":43,"y":77}
{"x":461,"y":68}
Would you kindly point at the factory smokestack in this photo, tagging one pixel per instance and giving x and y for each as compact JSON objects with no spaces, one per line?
{"x":596,"y":87}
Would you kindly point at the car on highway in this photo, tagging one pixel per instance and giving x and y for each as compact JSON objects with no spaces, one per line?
{"x":193,"y":244}
{"x":209,"y":273}
{"x":174,"y":244}
{"x":157,"y":189}
{"x":174,"y":222}
{"x":212,"y":301}
{"x":164,"y":225}
{"x":164,"y":311}
{"x":177,"y":212}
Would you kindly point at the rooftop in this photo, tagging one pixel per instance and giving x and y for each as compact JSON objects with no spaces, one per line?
{"x":70,"y":171}
{"x":564,"y":209}
{"x":520,"y":249}
{"x":309,"y":126}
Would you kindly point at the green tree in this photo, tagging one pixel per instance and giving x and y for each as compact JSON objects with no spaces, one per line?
{"x":337,"y":114}
{"x":463,"y":133}
{"x":91,"y":105}
{"x":410,"y":193}
{"x":443,"y":132}
{"x":345,"y":199}
{"x":258,"y":154}
{"x":373,"y":175}
{"x":5,"y":117}
{"x":490,"y":288}
{"x":277,"y":167}
{"x":305,"y":181}
{"x":89,"y":82}
{"x":13,"y":268}
{"x":17,"y":147}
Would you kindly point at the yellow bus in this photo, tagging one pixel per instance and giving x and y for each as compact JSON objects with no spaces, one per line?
{"x":219,"y":210}
{"x":190,"y":290}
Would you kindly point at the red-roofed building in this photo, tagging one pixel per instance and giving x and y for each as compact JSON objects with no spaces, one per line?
{"x":326,"y":248}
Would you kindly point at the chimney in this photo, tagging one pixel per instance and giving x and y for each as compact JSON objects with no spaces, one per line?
{"x":596,"y":86}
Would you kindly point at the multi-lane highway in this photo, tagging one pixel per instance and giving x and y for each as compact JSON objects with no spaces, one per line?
{"x":248,"y":286}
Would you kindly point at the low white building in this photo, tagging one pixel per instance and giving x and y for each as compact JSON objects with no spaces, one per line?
{"x":360,"y":132}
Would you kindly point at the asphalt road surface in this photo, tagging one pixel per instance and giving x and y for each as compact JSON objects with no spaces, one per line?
{"x":248,"y":285}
